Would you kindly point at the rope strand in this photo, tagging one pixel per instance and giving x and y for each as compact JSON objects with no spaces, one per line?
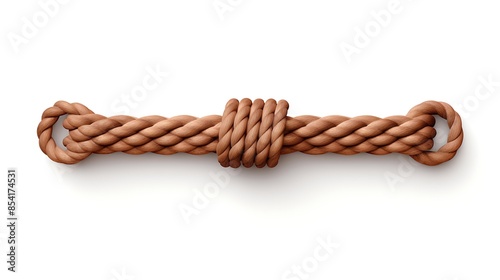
{"x":250,"y":133}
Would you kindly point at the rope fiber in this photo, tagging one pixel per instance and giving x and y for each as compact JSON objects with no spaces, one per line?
{"x":250,"y":133}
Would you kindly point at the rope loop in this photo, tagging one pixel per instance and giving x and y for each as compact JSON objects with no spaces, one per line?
{"x":44,"y":132}
{"x":455,"y":135}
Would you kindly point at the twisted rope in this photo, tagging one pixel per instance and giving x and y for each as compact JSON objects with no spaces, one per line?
{"x":250,"y":133}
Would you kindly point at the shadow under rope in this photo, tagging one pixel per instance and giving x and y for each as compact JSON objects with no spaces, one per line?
{"x":326,"y":169}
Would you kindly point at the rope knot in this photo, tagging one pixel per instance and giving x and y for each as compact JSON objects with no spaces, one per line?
{"x":252,"y":133}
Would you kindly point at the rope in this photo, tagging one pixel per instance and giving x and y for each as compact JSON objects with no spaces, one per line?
{"x":250,"y":133}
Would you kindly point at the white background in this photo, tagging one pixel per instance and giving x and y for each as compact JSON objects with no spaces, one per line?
{"x":117,"y":216}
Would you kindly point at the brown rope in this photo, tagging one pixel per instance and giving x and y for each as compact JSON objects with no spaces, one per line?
{"x":250,"y":133}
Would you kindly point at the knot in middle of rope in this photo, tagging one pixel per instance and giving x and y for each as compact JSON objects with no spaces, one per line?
{"x":252,"y":132}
